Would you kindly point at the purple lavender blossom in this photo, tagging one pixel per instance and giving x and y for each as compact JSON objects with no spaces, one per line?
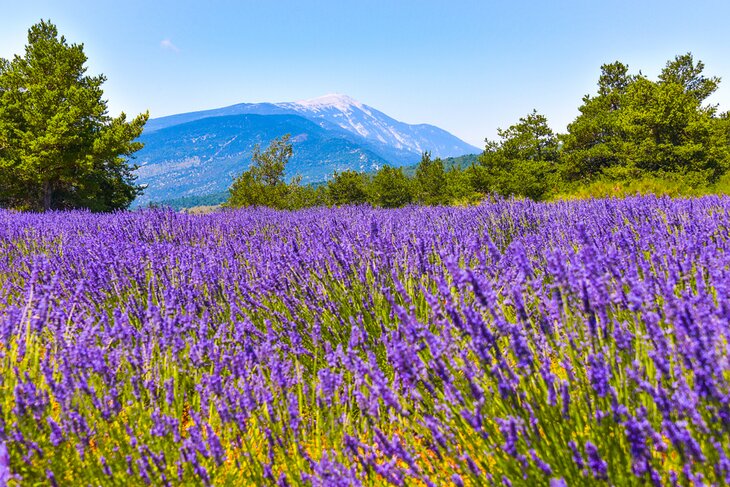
{"x":406,"y":337}
{"x":4,"y":464}
{"x":599,"y":373}
{"x":542,"y":465}
{"x":577,"y":457}
{"x":597,"y":465}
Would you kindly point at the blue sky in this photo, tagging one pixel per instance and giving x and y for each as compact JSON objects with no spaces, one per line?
{"x":466,"y":66}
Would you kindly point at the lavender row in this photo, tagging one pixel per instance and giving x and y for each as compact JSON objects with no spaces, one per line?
{"x":512,"y":343}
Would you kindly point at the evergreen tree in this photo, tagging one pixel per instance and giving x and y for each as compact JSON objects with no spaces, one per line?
{"x":307,"y":196}
{"x":263,"y":183}
{"x":636,"y":127}
{"x":683,"y":71}
{"x":430,"y":181}
{"x":459,"y":186}
{"x":348,"y":188}
{"x":593,"y":141}
{"x":269,"y":165}
{"x":391,"y":188}
{"x":522,"y":163}
{"x":59,"y":148}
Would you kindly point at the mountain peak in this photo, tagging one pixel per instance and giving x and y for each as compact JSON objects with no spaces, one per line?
{"x":332,"y":100}
{"x":201,"y":152}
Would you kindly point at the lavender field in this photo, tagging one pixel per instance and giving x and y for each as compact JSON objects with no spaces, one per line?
{"x":512,"y":343}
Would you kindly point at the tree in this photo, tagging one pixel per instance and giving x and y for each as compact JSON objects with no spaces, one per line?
{"x":459,"y":187}
{"x":683,"y":71}
{"x":666,"y":130}
{"x":348,"y":188}
{"x":522,"y":163}
{"x":59,"y":148}
{"x":430,"y":181}
{"x":391,"y":188}
{"x":637,"y":128}
{"x":593,"y":141}
{"x":268,"y":166}
{"x":263,"y":183}
{"x":307,"y":196}
{"x":613,"y":81}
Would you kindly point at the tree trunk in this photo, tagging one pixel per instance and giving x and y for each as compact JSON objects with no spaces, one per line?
{"x":47,"y":195}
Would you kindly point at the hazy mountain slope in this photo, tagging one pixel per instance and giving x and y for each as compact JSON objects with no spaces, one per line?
{"x":342,"y":112}
{"x":199,"y":153}
{"x":204,"y":156}
{"x":380,"y":130}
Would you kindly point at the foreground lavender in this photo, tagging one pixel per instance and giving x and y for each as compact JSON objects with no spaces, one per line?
{"x":512,"y":343}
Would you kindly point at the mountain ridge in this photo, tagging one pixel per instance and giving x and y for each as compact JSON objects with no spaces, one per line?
{"x":326,"y":110}
{"x":201,"y":152}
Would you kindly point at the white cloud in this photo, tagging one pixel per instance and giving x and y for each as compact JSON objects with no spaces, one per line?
{"x":168,"y":45}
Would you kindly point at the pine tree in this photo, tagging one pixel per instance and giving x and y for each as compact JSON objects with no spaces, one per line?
{"x":59,"y":148}
{"x":430,"y":181}
{"x":522,"y":163}
{"x":391,"y":188}
{"x":348,"y":188}
{"x":636,"y":127}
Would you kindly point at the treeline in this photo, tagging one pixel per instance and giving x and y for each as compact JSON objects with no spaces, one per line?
{"x":60,"y":149}
{"x":212,"y":200}
{"x":633,"y":135}
{"x":431,"y":182}
{"x":186,"y":202}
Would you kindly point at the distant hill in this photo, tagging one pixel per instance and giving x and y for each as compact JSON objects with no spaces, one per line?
{"x":218,"y":198}
{"x":185,"y":202}
{"x":200,"y":153}
{"x":462,"y":162}
{"x":204,"y":156}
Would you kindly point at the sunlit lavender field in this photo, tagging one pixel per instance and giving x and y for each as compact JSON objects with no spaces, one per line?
{"x":512,"y":343}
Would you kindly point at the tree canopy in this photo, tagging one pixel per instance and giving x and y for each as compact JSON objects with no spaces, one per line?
{"x":348,"y":188}
{"x":522,"y":163}
{"x":636,"y":126}
{"x":430,"y":181}
{"x":391,"y":188}
{"x":59,"y":148}
{"x":264,"y":184}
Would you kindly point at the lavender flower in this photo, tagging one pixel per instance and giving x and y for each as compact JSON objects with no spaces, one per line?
{"x":546,"y":469}
{"x":599,"y":373}
{"x":577,"y":457}
{"x":242,"y":341}
{"x":597,"y":465}
{"x":5,"y":473}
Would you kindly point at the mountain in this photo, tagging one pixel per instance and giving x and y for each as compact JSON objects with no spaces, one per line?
{"x":204,"y":156}
{"x":199,"y":153}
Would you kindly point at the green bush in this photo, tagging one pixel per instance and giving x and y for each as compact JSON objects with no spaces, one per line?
{"x":390,"y":188}
{"x":348,"y":188}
